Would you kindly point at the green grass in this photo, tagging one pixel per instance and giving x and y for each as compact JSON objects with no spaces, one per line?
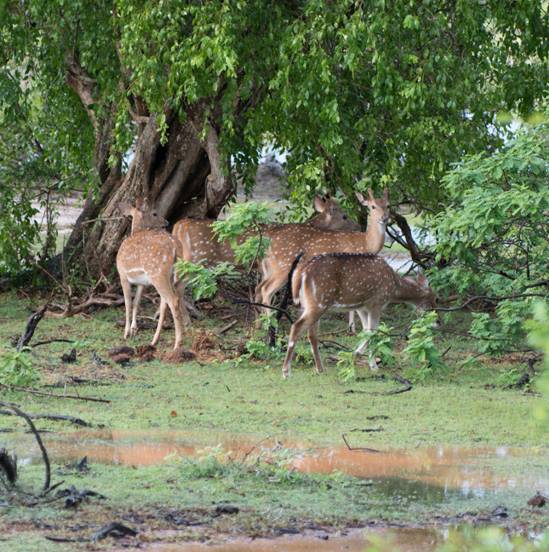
{"x":229,"y":394}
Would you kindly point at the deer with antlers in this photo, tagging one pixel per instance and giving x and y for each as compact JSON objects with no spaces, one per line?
{"x":349,"y":281}
{"x":147,"y":257}
{"x":287,"y":243}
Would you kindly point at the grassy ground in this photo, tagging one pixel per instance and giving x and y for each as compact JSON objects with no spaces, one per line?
{"x":222,"y":392}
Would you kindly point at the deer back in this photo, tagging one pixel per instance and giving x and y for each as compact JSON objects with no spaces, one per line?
{"x":199,"y":243}
{"x":343,"y":280}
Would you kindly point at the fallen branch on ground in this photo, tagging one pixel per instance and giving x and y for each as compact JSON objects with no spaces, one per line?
{"x":406,"y":383}
{"x":26,"y":417}
{"x":47,"y":341}
{"x":54,"y":417}
{"x":30,"y":328}
{"x":227,"y":327}
{"x":361,"y":449}
{"x":46,"y":394}
{"x":93,"y":301}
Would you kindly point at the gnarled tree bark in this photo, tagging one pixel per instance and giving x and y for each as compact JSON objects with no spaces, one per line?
{"x":182,"y":177}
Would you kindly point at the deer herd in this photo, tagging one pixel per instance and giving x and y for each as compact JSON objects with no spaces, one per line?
{"x":328,"y":262}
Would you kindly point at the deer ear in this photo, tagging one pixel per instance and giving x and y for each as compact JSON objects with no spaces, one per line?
{"x":139,"y":203}
{"x":125,"y":208}
{"x":362,"y":200}
{"x":386,"y":194}
{"x":371,"y":194}
{"x":422,"y":280}
{"x":319,"y":204}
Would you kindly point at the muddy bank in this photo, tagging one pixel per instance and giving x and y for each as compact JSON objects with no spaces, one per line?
{"x":357,"y":540}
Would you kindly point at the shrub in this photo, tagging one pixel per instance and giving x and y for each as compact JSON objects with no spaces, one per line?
{"x":16,"y":369}
{"x":492,"y":240}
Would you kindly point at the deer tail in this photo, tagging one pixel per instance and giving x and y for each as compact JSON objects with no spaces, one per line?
{"x":294,"y":279}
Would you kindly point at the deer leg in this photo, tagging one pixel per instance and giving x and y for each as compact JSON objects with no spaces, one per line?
{"x":364,"y":319}
{"x":295,"y":331}
{"x":270,"y":287}
{"x":126,"y":290}
{"x":176,"y":307}
{"x":161,"y":317}
{"x":313,"y":340}
{"x":374,"y":316}
{"x":352,"y":325}
{"x":136,"y":301}
{"x":180,"y":290}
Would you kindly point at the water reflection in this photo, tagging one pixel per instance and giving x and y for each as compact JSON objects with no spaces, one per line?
{"x":448,"y":469}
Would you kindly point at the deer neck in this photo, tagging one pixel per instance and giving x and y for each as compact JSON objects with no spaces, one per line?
{"x":408,"y":291}
{"x":375,"y":236}
{"x":136,"y":226}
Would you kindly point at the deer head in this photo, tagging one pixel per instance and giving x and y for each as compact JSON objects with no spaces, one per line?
{"x":143,"y":217}
{"x":331,"y":216}
{"x":378,"y":207}
{"x":428,"y":299}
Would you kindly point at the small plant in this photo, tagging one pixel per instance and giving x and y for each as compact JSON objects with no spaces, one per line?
{"x":538,"y":336}
{"x":379,"y":346}
{"x":421,"y":350}
{"x":16,"y":369}
{"x":204,"y":281}
{"x":245,"y":220}
{"x":248,"y":252}
{"x":242,"y":218}
{"x":346,"y":369}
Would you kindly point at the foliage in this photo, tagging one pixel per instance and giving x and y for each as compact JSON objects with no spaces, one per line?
{"x":538,"y":336}
{"x":242,"y":228}
{"x":379,"y":346}
{"x":204,"y":281}
{"x":346,"y":369}
{"x":491,"y":539}
{"x":371,"y":92}
{"x":259,"y":349}
{"x":16,"y":368}
{"x":492,"y":240}
{"x":424,"y":357}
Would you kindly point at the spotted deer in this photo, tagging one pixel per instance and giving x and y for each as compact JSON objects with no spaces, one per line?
{"x":349,"y":281}
{"x":146,"y":257}
{"x":287,"y":243}
{"x":200,"y":244}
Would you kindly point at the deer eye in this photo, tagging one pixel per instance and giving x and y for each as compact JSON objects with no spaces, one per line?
{"x":373,"y":206}
{"x":344,"y":217}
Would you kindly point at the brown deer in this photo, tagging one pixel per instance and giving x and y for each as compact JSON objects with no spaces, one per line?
{"x":200,"y":244}
{"x":287,"y":243}
{"x":147,"y":257}
{"x":349,"y":281}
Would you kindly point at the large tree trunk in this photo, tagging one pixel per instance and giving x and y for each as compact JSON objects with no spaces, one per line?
{"x":182,"y":177}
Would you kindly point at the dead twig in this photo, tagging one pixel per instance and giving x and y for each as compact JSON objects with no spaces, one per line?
{"x":26,"y":417}
{"x":361,"y":449}
{"x":93,"y":301}
{"x":407,"y":386}
{"x":30,"y":328}
{"x":227,"y":327}
{"x":45,"y":394}
{"x":46,"y":341}
{"x":55,"y":417}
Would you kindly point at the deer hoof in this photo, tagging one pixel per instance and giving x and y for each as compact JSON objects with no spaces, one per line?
{"x":133,"y":331}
